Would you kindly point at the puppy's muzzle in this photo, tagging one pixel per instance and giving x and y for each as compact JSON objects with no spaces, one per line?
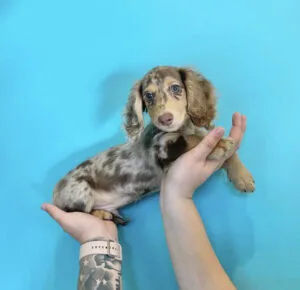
{"x":166,"y":119}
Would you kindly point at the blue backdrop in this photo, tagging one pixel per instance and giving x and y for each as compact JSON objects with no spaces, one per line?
{"x":65,"y":71}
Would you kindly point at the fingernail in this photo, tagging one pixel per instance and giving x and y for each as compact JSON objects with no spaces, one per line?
{"x":43,"y":207}
{"x":219,"y":132}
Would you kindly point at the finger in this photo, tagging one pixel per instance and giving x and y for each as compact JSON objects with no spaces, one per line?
{"x":56,"y":213}
{"x":237,"y":124}
{"x":244,"y":123}
{"x":209,"y":142}
{"x":238,"y":128}
{"x":237,"y":132}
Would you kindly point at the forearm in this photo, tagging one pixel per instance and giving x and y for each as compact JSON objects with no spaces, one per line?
{"x":100,"y":272}
{"x":195,"y":263}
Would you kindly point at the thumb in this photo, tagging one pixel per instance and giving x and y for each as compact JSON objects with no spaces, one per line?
{"x":56,"y":213}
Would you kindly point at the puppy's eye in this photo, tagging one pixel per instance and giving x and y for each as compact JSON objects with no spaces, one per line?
{"x":176,"y":89}
{"x":149,"y":97}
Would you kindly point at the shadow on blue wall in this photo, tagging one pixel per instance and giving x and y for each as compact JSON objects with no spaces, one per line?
{"x":5,"y":5}
{"x":112,"y":98}
{"x":115,"y":90}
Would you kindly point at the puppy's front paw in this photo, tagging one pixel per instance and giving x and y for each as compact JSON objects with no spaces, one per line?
{"x":238,"y":174}
{"x":243,"y":180}
{"x":223,"y":150}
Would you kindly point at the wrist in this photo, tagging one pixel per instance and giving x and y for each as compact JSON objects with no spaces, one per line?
{"x":173,"y":203}
{"x":172,"y":193}
{"x":108,"y":230}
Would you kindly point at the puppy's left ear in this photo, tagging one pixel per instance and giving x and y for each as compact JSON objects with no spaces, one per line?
{"x":201,"y":99}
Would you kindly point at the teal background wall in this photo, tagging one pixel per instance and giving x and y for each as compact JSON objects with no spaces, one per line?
{"x":65,"y":71}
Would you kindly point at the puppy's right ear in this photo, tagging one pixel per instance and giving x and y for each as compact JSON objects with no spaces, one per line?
{"x":134,"y":121}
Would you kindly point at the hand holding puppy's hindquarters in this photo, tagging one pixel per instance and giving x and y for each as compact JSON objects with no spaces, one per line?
{"x":83,"y":227}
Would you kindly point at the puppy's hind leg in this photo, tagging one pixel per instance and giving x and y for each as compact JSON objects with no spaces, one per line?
{"x":72,"y":195}
{"x":77,"y":195}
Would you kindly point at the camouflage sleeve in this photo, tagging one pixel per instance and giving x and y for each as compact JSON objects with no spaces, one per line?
{"x":100,"y":272}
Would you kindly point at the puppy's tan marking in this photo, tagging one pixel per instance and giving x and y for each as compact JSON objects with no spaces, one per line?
{"x":102,"y":214}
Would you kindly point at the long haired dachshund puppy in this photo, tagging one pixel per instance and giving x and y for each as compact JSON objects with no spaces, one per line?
{"x":182,"y":106}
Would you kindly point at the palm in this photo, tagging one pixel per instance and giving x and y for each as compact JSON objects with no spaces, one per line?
{"x":82,"y":226}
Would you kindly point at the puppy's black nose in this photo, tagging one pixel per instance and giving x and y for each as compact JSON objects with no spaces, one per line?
{"x":166,"y":119}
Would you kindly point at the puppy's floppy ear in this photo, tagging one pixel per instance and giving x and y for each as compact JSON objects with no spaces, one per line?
{"x":134,"y":121}
{"x":201,"y":99}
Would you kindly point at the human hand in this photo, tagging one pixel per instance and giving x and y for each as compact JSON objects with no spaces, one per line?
{"x":82,"y":226}
{"x":193,"y":168}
